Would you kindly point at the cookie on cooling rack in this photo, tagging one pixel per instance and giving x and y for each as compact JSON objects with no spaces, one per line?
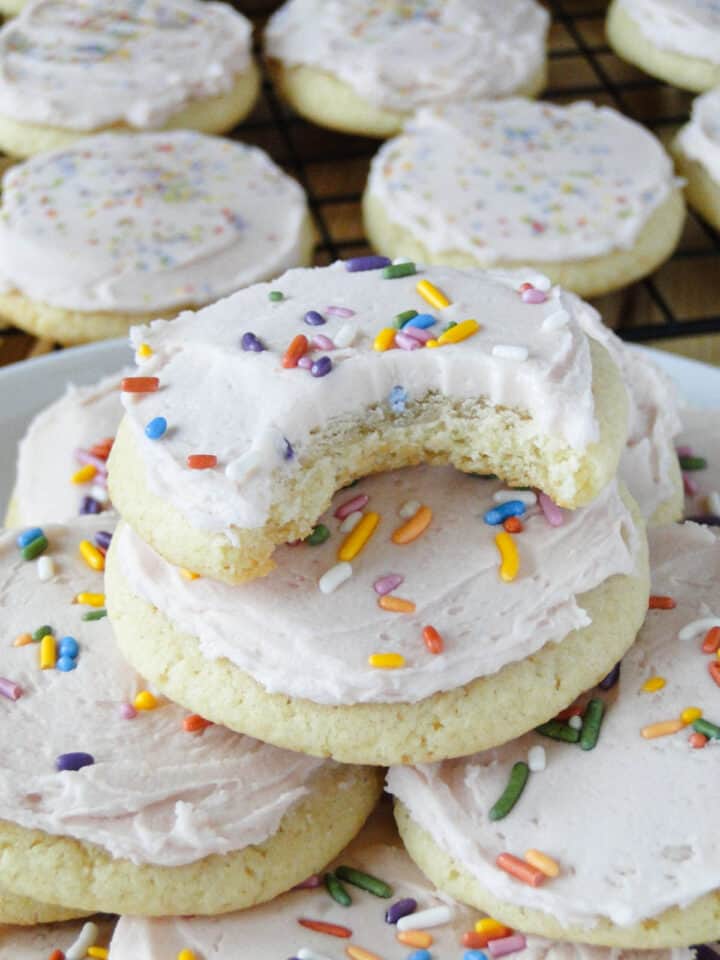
{"x":70,"y":69}
{"x":579,"y":192}
{"x":697,"y":154}
{"x":363,"y":67}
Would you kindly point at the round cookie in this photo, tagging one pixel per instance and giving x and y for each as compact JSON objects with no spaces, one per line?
{"x":24,"y":912}
{"x":514,"y":388}
{"x":698,"y":448}
{"x":639,"y":863}
{"x":120,"y":229}
{"x":579,"y":192}
{"x":115,"y":805}
{"x":697,"y":155}
{"x":71,"y":69}
{"x":360,"y":67}
{"x":675,"y":40}
{"x":38,"y":943}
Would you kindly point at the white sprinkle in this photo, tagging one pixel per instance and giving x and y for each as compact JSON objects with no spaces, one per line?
{"x":409,"y":509}
{"x":398,"y":260}
{"x":508,"y":352}
{"x":86,"y":938}
{"x":524,"y":496}
{"x":345,"y":336}
{"x":556,"y":320}
{"x":575,"y":723}
{"x":539,"y":281}
{"x":698,"y":626}
{"x":713,"y":502}
{"x":434,"y":917}
{"x":333,"y":577}
{"x":305,"y":953}
{"x":351,"y":521}
{"x":45,"y":568}
{"x":537,"y":759}
{"x":100,"y":494}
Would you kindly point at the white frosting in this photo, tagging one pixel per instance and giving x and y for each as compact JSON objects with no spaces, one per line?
{"x":84,"y":64}
{"x":701,"y":432}
{"x":450,"y":573}
{"x":629,"y":822}
{"x":146,"y":222}
{"x":688,"y":27}
{"x":404,"y":54}
{"x":700,"y":138}
{"x":250,"y":404}
{"x":155,"y":794}
{"x":38,"y":943}
{"x":522,"y":180}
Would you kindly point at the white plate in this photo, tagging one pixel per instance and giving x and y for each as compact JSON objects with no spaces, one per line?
{"x":27,"y":387}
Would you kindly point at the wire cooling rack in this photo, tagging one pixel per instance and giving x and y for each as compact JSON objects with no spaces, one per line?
{"x":680,"y":300}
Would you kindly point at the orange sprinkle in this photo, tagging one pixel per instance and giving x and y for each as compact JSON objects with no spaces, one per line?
{"x":536,"y":858}
{"x":661,"y":729}
{"x":194,"y":723}
{"x":102,"y":448}
{"x":23,"y":640}
{"x":298,"y":348}
{"x":359,"y":953}
{"x":320,"y":926}
{"x":474,"y":940}
{"x":412,"y":528}
{"x":661,"y":603}
{"x":513,"y":525}
{"x":569,"y":712}
{"x":57,"y":955}
{"x":433,"y":640}
{"x":139,"y":384}
{"x":396,"y":604}
{"x":712,"y":640}
{"x":714,"y":670}
{"x":202,"y":461}
{"x":697,"y":740}
{"x":522,"y":871}
{"x":415,"y":938}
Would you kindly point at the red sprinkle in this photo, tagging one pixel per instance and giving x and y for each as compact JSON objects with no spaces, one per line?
{"x":201,"y":461}
{"x":102,"y":448}
{"x":475,"y":940}
{"x":661,"y":603}
{"x":298,"y":348}
{"x":712,"y":640}
{"x":521,"y":870}
{"x":433,"y":640}
{"x":714,"y":671}
{"x":139,"y":384}
{"x":569,"y":712}
{"x":697,"y":740}
{"x":525,"y":286}
{"x":194,"y":723}
{"x":57,"y":955}
{"x":331,"y":929}
{"x":513,"y":525}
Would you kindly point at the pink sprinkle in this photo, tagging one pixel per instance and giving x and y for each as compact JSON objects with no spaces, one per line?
{"x":554,"y":515}
{"x":406,"y":342}
{"x":305,"y":362}
{"x":127,"y":711}
{"x":388,"y":583}
{"x":350,"y":506}
{"x":339,"y":312}
{"x":684,"y":451}
{"x":321,"y":342}
{"x":418,"y":334}
{"x":505,"y":945}
{"x":84,"y":456}
{"x":533,"y":296}
{"x":312,"y":883}
{"x":690,"y":485}
{"x":10,"y":689}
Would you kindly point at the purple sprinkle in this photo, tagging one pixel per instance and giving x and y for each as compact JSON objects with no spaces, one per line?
{"x":321,"y":367}
{"x":608,"y":682}
{"x":706,"y":952}
{"x":388,"y":583}
{"x":532,"y":295}
{"x":406,"y":342}
{"x":288,"y":451}
{"x":74,"y":761}
{"x":505,"y":945}
{"x":684,"y":451}
{"x":10,"y":689}
{"x":314,"y":318}
{"x":356,"y":264}
{"x":399,"y":909}
{"x":350,"y":506}
{"x":312,"y":883}
{"x":251,"y":342}
{"x":417,"y":333}
{"x":103,"y":539}
{"x":321,"y":342}
{"x":90,"y":505}
{"x":84,"y":456}
{"x":709,"y":519}
{"x":554,"y":514}
{"x":689,"y":485}
{"x":127,"y":711}
{"x":305,"y":362}
{"x":339,"y":312}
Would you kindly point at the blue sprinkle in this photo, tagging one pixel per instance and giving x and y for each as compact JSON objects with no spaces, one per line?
{"x":27,"y":536}
{"x":397,"y":399}
{"x":89,"y":505}
{"x":66,"y":664}
{"x":69,"y":647}
{"x":251,"y":342}
{"x":474,"y":955}
{"x":74,"y":761}
{"x":422,"y":320}
{"x":356,"y":264}
{"x":288,"y":451}
{"x":314,"y":318}
{"x":321,"y":367}
{"x":513,"y":508}
{"x":420,"y":955}
{"x":156,"y":428}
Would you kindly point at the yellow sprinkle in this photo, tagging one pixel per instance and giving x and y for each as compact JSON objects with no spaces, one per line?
{"x":436,"y":298}
{"x":188,"y":574}
{"x":358,"y":953}
{"x":385,"y":339}
{"x":653,"y":684}
{"x":358,"y":536}
{"x":144,"y":350}
{"x":23,"y":640}
{"x":544,"y":863}
{"x":461,"y":331}
{"x":102,"y":953}
{"x":509,"y":556}
{"x":84,"y":474}
{"x":91,"y":555}
{"x":414,"y":938}
{"x":690,"y":715}
{"x":432,"y":343}
{"x":386,"y":661}
{"x":48,"y":654}
{"x":90,"y":599}
{"x":186,"y":955}
{"x":661,"y":729}
{"x":145,"y":701}
{"x":493,"y":929}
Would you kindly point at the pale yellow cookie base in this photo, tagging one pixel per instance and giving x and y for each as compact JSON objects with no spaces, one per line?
{"x":209,"y":115}
{"x":70,"y":327}
{"x":321,"y":97}
{"x":672,"y":509}
{"x":8,"y":8}
{"x":25,"y":912}
{"x":486,"y":712}
{"x":588,"y":278}
{"x":630,"y":43}
{"x":74,"y":874}
{"x":472,"y":435}
{"x":697,"y":923}
{"x":12,"y":517}
{"x":701,"y":190}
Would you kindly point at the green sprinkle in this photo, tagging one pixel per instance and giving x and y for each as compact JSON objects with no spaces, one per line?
{"x":337,"y":891}
{"x":448,"y":326}
{"x":398,"y":270}
{"x":512,"y":792}
{"x":276,"y":295}
{"x":319,"y":535}
{"x":707,"y":729}
{"x":95,"y":614}
{"x":35,"y":548}
{"x":592,"y":721}
{"x":365,"y":881}
{"x":693,"y":463}
{"x":402,"y":318}
{"x":41,"y":632}
{"x":557,"y":730}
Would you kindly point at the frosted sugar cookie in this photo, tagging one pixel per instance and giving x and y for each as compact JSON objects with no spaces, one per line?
{"x":363,"y":67}
{"x":697,"y":154}
{"x":71,"y":68}
{"x":632,"y":862}
{"x":18,"y":911}
{"x":120,"y":229}
{"x":313,"y":384}
{"x":675,"y":40}
{"x":581,"y":192}
{"x":698,"y":449}
{"x":113,"y":799}
{"x":72,"y":940}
